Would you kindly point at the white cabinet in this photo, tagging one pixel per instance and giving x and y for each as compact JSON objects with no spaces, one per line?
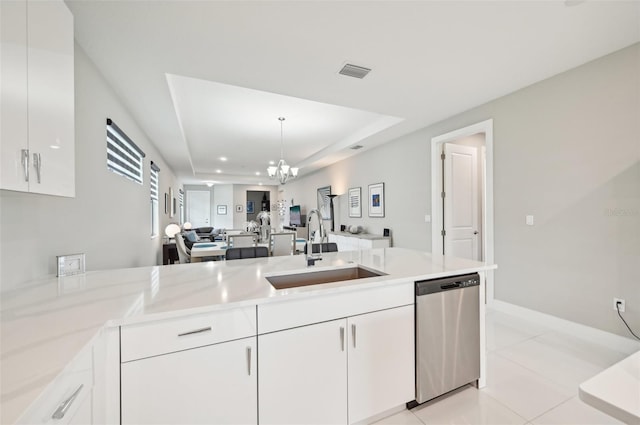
{"x":198,"y":369}
{"x":303,"y":375}
{"x":354,"y":242}
{"x":338,"y":372}
{"x":381,"y":361}
{"x":215,"y":384}
{"x":68,"y":400}
{"x":37,"y":98}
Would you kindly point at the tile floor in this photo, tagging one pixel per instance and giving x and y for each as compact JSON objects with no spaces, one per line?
{"x":533,"y":374}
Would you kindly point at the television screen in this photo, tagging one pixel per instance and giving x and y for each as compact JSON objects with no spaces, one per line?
{"x":295,"y":216}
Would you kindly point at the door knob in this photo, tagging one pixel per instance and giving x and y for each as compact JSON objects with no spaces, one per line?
{"x":475,"y":232}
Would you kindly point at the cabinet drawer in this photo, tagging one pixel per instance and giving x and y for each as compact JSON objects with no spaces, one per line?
{"x":166,"y":336}
{"x":66,"y":399}
{"x":289,"y":314}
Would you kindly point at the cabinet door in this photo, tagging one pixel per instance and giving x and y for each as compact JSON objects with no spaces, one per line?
{"x":381,"y":361}
{"x":365,"y":244}
{"x":13,"y":94}
{"x":51,"y":97}
{"x":303,"y":375}
{"x":215,"y":384}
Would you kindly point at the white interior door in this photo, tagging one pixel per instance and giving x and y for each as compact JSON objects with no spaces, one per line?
{"x":461,"y":219}
{"x":198,"y":208}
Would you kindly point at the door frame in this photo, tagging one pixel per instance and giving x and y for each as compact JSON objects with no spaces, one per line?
{"x":485,"y":127}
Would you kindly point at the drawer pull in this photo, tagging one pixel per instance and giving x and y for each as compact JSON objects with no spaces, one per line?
{"x":197,"y":331}
{"x":341,"y":338}
{"x":64,"y":406}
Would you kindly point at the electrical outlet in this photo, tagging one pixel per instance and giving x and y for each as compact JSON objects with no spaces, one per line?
{"x":615,"y":303}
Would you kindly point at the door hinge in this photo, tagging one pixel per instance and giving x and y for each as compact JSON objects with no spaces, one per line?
{"x":442,"y":194}
{"x":442,"y":156}
{"x":443,"y":232}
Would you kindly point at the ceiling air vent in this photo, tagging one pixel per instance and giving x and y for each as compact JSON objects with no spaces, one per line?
{"x":354,"y":71}
{"x":356,"y":147}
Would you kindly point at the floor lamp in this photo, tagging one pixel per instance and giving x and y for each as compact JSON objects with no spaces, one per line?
{"x":333,"y":218}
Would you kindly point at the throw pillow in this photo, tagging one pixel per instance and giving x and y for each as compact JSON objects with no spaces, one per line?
{"x":191,"y":236}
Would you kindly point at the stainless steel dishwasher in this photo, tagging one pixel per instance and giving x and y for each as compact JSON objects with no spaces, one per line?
{"x":447,"y":335}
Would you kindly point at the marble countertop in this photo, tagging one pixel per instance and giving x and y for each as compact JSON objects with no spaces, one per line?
{"x":616,"y":390}
{"x":46,"y":323}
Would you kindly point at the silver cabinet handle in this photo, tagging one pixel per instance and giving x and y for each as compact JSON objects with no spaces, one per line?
{"x":341,"y":338}
{"x":197,"y":331}
{"x":64,"y":406}
{"x":353,"y":334}
{"x":37,"y":164}
{"x":249,"y":361}
{"x":25,"y":163}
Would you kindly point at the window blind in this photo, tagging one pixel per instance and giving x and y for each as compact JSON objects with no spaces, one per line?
{"x":153,"y":179}
{"x":123,"y":156}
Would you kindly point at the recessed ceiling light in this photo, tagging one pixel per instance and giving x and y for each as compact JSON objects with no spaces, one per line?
{"x":260,"y":183}
{"x":218,"y":171}
{"x":272,"y":162}
{"x":257,"y":173}
{"x":209,"y":183}
{"x":223,"y":158}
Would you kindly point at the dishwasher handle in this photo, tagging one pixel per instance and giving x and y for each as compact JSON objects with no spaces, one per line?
{"x":425,"y":287}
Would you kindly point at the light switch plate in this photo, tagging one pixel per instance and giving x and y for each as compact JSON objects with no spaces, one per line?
{"x":529,"y":220}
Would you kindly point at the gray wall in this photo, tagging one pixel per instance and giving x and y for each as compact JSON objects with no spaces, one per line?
{"x":566,"y":150}
{"x":108,"y":220}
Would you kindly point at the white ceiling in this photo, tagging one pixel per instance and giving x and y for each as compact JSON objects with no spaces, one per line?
{"x":206,"y":79}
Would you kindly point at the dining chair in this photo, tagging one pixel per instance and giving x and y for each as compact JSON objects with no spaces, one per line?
{"x":183,"y":253}
{"x":326,"y":247}
{"x":241,"y":240}
{"x":246,"y":252}
{"x":282,"y":243}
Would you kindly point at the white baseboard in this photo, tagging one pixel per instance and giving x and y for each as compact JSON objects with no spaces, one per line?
{"x":616,"y":342}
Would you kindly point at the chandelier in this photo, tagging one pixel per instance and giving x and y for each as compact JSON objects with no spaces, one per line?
{"x":282,"y":172}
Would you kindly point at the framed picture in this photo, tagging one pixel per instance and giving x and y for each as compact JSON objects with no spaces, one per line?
{"x":376,"y":200}
{"x":238,"y":208}
{"x":355,"y":202}
{"x":249,"y":207}
{"x":324,"y":202}
{"x":222,"y":210}
{"x":166,"y":203}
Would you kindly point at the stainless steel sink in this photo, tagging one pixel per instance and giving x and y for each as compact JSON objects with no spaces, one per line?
{"x":322,"y":276}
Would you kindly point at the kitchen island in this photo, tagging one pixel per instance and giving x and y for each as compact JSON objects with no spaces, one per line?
{"x":47,"y":325}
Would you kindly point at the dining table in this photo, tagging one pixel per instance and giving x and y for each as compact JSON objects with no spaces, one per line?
{"x":218,"y":249}
{"x":199,"y":250}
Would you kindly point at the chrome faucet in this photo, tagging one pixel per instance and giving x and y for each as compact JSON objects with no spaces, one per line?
{"x":311,"y":257}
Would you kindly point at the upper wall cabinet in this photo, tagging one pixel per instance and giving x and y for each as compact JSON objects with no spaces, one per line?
{"x":37,"y":148}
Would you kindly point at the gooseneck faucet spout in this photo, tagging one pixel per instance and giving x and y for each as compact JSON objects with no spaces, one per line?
{"x":311,"y":257}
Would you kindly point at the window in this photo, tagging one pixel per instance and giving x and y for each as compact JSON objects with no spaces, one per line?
{"x":123,"y":156}
{"x":153,"y":183}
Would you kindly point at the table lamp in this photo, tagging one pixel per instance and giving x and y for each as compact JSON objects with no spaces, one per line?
{"x":171,"y":230}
